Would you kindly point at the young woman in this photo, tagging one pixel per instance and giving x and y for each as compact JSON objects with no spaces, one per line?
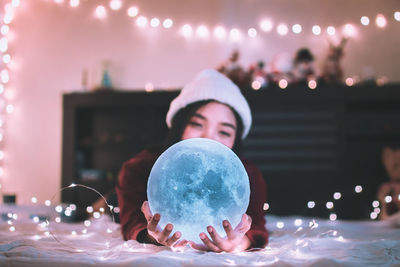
{"x":210,"y":106}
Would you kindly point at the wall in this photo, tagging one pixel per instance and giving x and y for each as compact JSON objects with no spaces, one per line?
{"x":51,"y":44}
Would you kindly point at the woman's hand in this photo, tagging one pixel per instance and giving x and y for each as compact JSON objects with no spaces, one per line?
{"x":158,"y":235}
{"x":235,"y":239}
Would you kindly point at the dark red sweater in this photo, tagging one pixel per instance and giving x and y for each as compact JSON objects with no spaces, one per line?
{"x":132,"y":192}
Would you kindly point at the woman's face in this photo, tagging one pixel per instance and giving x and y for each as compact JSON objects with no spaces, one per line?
{"x":215,"y":121}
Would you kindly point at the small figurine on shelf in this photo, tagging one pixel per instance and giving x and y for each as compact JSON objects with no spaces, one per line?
{"x":303,"y":68}
{"x":106,"y":79}
{"x":233,"y":70}
{"x":332,"y":71}
{"x":389,"y":192}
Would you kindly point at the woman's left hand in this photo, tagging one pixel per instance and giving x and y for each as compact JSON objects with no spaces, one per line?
{"x":235,"y":239}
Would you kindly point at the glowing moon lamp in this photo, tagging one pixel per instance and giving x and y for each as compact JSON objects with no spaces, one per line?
{"x":196,"y":183}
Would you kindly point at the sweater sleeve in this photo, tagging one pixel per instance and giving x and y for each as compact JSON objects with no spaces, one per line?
{"x":131,"y":191}
{"x":258,"y":234}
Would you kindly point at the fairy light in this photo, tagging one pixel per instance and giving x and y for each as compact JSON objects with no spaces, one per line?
{"x":6,"y":58}
{"x":149,"y":87}
{"x":58,"y":208}
{"x":265,"y":206}
{"x":373,"y":215}
{"x":220,"y":32}
{"x":35,"y":219}
{"x":202,"y":31}
{"x":266,"y":25}
{"x":57,"y":219}
{"x":310,"y":204}
{"x":349,"y":81}
{"x":133,"y":11}
{"x":377,"y":210}
{"x":358,"y":189}
{"x":141,"y":21}
{"x":332,"y":217}
{"x":101,"y":210}
{"x":168,"y":23}
{"x":380,"y":21}
{"x":329,"y":205}
{"x":337,"y":195}
{"x":331,"y":30}
{"x":187,"y":30}
{"x":283,"y":84}
{"x":96,"y":214}
{"x":1,"y":155}
{"x":296,"y":28}
{"x":312,"y":84}
{"x":316,"y":30}
{"x":364,"y":20}
{"x":34,"y":200}
{"x":154,"y":22}
{"x":349,"y":30}
{"x":89,"y":209}
{"x":4,"y":29}
{"x":84,"y":231}
{"x":256,"y":85}
{"x":282,"y":29}
{"x":252,"y":33}
{"x":375,"y":203}
{"x":396,"y":15}
{"x":58,"y":1}
{"x":3,"y":44}
{"x":87,"y":223}
{"x":101,"y":12}
{"x":388,"y":199}
{"x":115,"y":4}
{"x":298,"y":222}
{"x":11,"y":228}
{"x":74,"y":3}
{"x":15,"y":216}
{"x":235,"y":35}
{"x":280,"y":225}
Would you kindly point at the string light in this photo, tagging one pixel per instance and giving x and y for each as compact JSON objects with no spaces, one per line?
{"x":388,"y":199}
{"x":266,"y":25}
{"x":74,"y":3}
{"x":101,"y":12}
{"x":329,"y":205}
{"x":380,"y":21}
{"x":141,"y":21}
{"x":331,"y":30}
{"x":133,"y":11}
{"x":266,"y":206}
{"x":202,"y":31}
{"x":280,"y":225}
{"x":252,"y":33}
{"x":337,"y":195}
{"x":168,"y":23}
{"x":332,"y":217}
{"x":115,"y":4}
{"x":310,"y":204}
{"x":187,"y":30}
{"x":296,"y":28}
{"x":235,"y":35}
{"x":358,"y":189}
{"x":283,"y":84}
{"x":316,"y":29}
{"x":282,"y":29}
{"x":220,"y":32}
{"x":375,"y":203}
{"x":396,"y":15}
{"x":154,"y":22}
{"x":312,"y":84}
{"x":364,"y":20}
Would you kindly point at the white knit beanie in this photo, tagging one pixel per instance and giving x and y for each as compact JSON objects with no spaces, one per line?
{"x":209,"y":84}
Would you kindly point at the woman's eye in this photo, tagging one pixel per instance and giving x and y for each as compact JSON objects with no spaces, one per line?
{"x":225,"y":133}
{"x":195,"y":124}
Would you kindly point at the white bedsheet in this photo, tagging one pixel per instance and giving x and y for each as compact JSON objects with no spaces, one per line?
{"x":319,"y":243}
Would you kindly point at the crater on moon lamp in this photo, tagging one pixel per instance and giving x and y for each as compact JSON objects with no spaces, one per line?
{"x":196,"y":183}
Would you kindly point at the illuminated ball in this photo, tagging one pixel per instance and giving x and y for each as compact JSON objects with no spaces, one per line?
{"x":196,"y":183}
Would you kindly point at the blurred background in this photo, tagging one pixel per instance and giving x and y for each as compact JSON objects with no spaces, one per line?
{"x":54,"y":47}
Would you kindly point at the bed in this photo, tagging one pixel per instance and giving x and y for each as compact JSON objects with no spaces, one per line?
{"x":28,"y":240}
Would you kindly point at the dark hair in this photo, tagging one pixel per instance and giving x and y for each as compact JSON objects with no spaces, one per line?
{"x":182,"y":118}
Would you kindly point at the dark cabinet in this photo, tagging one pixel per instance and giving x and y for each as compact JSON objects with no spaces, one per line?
{"x":309,"y":144}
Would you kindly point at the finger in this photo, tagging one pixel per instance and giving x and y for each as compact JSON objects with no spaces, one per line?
{"x":217,"y":239}
{"x":208,"y":243}
{"x":244,"y":224}
{"x":201,"y":247}
{"x":152,"y":225}
{"x":180,"y":243}
{"x":228,"y":230}
{"x":163,"y":236}
{"x":146,"y":210}
{"x":171,"y":241}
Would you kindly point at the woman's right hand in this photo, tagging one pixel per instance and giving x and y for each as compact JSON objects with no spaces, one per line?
{"x":158,"y":235}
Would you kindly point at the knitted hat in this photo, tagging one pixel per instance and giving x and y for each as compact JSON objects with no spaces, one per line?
{"x":209,"y":84}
